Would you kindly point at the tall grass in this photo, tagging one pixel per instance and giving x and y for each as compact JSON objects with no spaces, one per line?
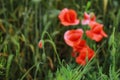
{"x":23,"y":23}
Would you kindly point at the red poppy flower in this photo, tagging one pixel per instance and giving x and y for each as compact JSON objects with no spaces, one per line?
{"x":73,"y":37}
{"x":88,"y":18}
{"x":78,"y":47}
{"x":40,"y":44}
{"x":84,"y":55}
{"x":74,"y":54}
{"x":96,"y":32}
{"x":68,"y":17}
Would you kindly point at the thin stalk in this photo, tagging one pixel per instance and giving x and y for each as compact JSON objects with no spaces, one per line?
{"x":54,"y":47}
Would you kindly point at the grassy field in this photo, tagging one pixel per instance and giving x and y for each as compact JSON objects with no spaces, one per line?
{"x":23,"y":23}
